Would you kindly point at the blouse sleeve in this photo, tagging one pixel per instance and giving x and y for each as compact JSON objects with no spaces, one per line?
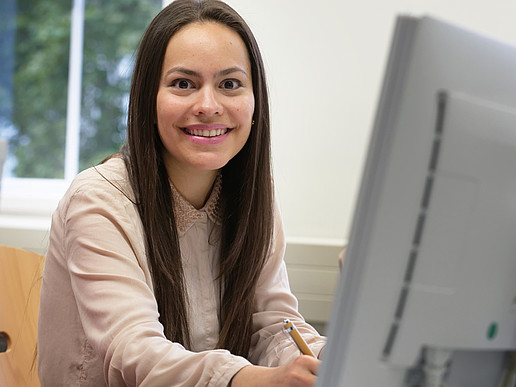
{"x":116,"y":302}
{"x":274,"y":302}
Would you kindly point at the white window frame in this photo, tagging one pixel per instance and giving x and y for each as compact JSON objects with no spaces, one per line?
{"x":28,"y":197}
{"x":39,"y":197}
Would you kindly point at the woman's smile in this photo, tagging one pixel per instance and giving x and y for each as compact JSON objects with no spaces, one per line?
{"x":213,"y":130}
{"x":207,"y":135}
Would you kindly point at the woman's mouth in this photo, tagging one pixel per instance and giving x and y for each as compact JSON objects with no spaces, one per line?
{"x":206,"y":132}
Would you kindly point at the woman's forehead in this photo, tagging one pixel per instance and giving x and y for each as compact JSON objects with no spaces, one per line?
{"x":207,"y":44}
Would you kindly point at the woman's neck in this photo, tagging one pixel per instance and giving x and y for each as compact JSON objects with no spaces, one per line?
{"x":194,"y":187}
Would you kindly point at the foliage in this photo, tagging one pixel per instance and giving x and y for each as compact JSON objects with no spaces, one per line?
{"x":112,"y":30}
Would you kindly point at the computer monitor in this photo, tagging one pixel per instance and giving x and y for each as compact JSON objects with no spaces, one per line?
{"x":430,"y":268}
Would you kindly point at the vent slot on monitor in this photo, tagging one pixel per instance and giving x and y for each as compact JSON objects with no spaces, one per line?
{"x":419,"y":227}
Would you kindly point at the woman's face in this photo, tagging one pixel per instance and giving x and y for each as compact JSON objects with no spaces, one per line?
{"x":205,"y":100}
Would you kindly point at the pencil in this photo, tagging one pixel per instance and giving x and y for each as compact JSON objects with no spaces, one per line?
{"x":298,"y":339}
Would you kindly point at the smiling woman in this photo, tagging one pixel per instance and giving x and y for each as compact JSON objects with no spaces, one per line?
{"x":165,"y":263}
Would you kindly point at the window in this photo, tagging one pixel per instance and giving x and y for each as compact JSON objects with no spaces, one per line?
{"x":65,"y":69}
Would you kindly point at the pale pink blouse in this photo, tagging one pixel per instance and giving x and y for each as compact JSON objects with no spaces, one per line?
{"x":98,"y":322}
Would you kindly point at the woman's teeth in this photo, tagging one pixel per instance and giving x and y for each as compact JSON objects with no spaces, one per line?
{"x":206,"y":133}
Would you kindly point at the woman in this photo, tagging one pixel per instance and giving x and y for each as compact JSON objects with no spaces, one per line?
{"x":165,"y":262}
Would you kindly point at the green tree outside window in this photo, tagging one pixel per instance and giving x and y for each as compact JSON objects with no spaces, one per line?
{"x":34,"y":50}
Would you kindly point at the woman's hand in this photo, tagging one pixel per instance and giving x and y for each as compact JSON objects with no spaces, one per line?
{"x":300,"y":372}
{"x":342,"y":254}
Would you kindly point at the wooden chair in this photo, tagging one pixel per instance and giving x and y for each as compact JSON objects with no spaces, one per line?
{"x":20,"y":282}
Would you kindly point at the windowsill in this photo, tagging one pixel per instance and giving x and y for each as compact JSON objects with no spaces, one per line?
{"x":24,"y":231}
{"x":24,"y":222}
{"x":26,"y":207}
{"x":31,"y":197}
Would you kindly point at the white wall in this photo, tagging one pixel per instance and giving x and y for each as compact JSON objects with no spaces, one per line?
{"x":325,"y":62}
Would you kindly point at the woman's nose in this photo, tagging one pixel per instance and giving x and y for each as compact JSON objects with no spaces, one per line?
{"x":208,"y":103}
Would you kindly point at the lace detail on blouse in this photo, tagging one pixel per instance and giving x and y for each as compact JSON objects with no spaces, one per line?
{"x":186,"y":214}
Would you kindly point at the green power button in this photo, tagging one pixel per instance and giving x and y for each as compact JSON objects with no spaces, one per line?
{"x":492,"y":331}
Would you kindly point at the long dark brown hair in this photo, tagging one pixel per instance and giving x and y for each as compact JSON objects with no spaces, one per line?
{"x":246,"y":196}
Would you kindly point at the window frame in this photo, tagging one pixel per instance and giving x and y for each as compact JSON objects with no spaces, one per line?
{"x":36,"y":197}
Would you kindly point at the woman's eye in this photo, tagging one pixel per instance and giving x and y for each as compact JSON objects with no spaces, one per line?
{"x":182,"y":84}
{"x":231,"y":84}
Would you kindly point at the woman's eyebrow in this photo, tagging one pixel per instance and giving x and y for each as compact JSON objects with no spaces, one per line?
{"x":233,"y":70}
{"x":183,"y":70}
{"x":186,"y":71}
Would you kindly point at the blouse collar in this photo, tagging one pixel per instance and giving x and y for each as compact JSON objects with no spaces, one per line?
{"x":186,"y":215}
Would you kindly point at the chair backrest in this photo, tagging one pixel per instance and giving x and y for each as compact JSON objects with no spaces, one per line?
{"x":20,"y":283}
